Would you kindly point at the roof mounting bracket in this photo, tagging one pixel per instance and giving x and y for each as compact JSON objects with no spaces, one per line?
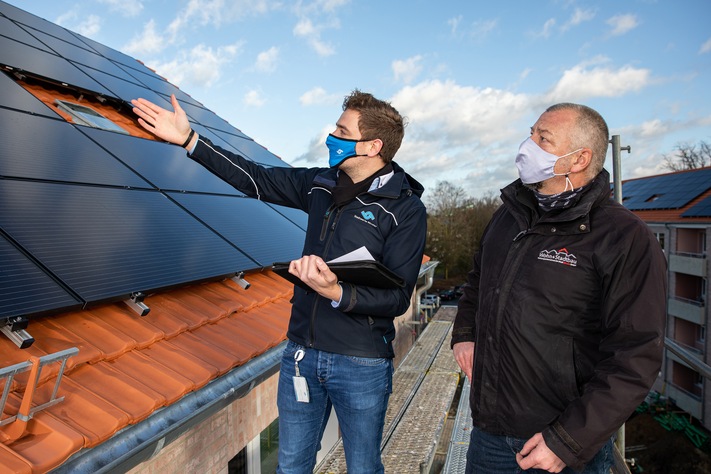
{"x":135,"y":302}
{"x":15,"y":330}
{"x":18,"y":423}
{"x":239,"y":279}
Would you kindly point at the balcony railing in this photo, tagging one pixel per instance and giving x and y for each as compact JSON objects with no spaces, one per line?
{"x":692,"y":349}
{"x":696,"y":302}
{"x":689,"y":254}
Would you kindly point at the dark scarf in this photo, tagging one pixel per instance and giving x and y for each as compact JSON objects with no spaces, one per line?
{"x":564,"y":200}
{"x":345,"y":190}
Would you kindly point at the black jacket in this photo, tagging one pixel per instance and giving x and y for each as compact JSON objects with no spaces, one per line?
{"x":568,"y":313}
{"x":390,"y":222}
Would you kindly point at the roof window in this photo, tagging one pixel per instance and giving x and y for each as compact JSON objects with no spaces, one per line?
{"x":654,"y":198}
{"x":87,"y":116}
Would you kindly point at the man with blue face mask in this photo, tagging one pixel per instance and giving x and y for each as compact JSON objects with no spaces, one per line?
{"x":340,"y":334}
{"x":560,"y":328}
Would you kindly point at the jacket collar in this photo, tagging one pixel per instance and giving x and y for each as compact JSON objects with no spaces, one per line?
{"x":401,"y":181}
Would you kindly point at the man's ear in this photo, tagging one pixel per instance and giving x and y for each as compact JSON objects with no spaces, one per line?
{"x":374,"y":147}
{"x":581,"y":160}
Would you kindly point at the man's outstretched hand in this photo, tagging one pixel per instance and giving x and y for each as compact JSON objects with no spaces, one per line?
{"x":172,"y":127}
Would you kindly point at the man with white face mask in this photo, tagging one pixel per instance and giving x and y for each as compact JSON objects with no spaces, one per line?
{"x":560,"y":328}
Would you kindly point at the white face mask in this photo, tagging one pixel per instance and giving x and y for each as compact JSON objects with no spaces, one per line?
{"x":535,"y":164}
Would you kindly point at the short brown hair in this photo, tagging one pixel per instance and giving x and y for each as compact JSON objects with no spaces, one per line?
{"x":590,"y":132}
{"x":378,"y":119}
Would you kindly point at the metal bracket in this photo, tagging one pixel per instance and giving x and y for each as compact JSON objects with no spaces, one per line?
{"x":239,"y":279}
{"x":15,"y":331}
{"x":135,"y":302}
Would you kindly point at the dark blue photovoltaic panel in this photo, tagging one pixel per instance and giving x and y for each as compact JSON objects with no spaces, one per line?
{"x":39,"y":24}
{"x":253,"y":150}
{"x":163,"y":87}
{"x":207,"y":118}
{"x":702,"y":209}
{"x":210,"y":133}
{"x":123,"y":89}
{"x":12,"y":31}
{"x":165,"y":166}
{"x":106,"y":243}
{"x":250,"y":225}
{"x":40,"y":148}
{"x":25,"y":289}
{"x":19,"y":55}
{"x":665,"y":192}
{"x":15,"y":96}
{"x":297,"y":216}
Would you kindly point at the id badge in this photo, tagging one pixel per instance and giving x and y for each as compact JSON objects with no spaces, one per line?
{"x":301,"y":388}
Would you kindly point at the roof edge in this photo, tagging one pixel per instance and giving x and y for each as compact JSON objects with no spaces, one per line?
{"x":145,"y":440}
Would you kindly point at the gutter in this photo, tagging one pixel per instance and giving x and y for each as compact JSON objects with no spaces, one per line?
{"x":428,"y":270}
{"x":144,"y":440}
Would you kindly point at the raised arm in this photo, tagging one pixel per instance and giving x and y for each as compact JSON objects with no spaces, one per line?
{"x":172,"y":127}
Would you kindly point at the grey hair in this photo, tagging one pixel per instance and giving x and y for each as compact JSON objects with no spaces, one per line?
{"x":590,"y":132}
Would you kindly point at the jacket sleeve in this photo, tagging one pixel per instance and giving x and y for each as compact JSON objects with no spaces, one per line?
{"x":633,"y":313}
{"x":402,"y":253}
{"x":465,"y":322}
{"x":283,"y":186}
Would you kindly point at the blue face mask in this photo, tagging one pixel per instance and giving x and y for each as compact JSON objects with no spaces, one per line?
{"x":340,"y":149}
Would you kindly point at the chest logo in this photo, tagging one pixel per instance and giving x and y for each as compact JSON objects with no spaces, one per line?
{"x":367,"y":215}
{"x":559,"y":256}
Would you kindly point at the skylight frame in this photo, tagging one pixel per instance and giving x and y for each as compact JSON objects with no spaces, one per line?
{"x":84,"y":115}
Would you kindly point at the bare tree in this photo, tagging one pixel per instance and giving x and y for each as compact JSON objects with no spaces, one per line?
{"x":688,"y":157}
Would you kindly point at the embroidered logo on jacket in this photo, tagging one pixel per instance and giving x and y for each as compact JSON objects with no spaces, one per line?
{"x":559,"y":256}
{"x":367,"y":215}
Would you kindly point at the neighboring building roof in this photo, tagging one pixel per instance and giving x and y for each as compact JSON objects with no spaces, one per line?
{"x":91,"y":218}
{"x":682,"y":196}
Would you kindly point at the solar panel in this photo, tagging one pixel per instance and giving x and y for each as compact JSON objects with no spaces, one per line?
{"x":12,"y":31}
{"x":37,"y":23}
{"x":702,"y":209}
{"x":15,"y":96}
{"x":82,"y":56}
{"x":297,"y":216}
{"x":40,"y":148}
{"x":207,"y":118}
{"x":123,"y":89}
{"x":210,"y":133}
{"x":252,"y":150}
{"x":165,"y":166}
{"x":251,"y":225}
{"x":25,"y":289}
{"x":164,"y":88}
{"x":21,"y":56}
{"x":106,"y":243}
{"x":665,"y":192}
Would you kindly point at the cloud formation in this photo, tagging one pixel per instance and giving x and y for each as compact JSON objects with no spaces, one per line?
{"x":200,"y":66}
{"x":266,"y":60}
{"x":407,"y":70}
{"x":319,"y":96}
{"x":127,"y":8}
{"x":149,"y":41}
{"x":621,"y":24}
{"x":579,"y":16}
{"x":254,"y":99}
{"x":706,"y":47}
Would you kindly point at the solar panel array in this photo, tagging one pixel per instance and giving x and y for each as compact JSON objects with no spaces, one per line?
{"x":90,"y":216}
{"x":665,"y":192}
{"x":702,"y":209}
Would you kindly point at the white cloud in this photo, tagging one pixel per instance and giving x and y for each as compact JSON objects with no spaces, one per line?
{"x":254,"y":98}
{"x":319,"y":96}
{"x":200,"y":66}
{"x":90,"y":27}
{"x":621,"y":24}
{"x":581,"y":83}
{"x":317,"y":151}
{"x":408,"y":69}
{"x":128,"y":8}
{"x":266,"y":60}
{"x":480,"y":29}
{"x":578,"y":17}
{"x":454,"y":22}
{"x":706,"y":47}
{"x":149,"y":41}
{"x":312,"y":33}
{"x":547,"y":29}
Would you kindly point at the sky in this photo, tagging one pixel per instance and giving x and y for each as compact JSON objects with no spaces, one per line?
{"x":471,"y":77}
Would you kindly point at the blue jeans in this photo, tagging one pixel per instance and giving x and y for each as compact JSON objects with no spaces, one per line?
{"x":494,"y":454}
{"x":357,"y":387}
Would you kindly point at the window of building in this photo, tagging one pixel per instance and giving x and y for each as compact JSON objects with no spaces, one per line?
{"x":699,"y":380}
{"x":260,"y":454}
{"x":701,"y":334}
{"x":87,"y":116}
{"x":660,"y":238}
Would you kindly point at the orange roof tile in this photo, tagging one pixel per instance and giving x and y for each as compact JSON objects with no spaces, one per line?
{"x":128,"y":366}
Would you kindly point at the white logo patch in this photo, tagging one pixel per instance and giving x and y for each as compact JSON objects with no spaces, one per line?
{"x":559,"y":256}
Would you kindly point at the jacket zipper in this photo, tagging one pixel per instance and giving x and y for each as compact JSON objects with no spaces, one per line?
{"x":521,"y":234}
{"x":324,"y":229}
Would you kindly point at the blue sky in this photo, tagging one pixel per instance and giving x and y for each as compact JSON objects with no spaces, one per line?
{"x":471,"y":76}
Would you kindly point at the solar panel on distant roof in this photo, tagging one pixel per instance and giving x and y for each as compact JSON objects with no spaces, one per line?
{"x":10,"y":30}
{"x":25,"y":289}
{"x":665,"y":192}
{"x":21,"y":56}
{"x":165,"y":166}
{"x":701,"y":209}
{"x":271,"y":237}
{"x":36,"y":147}
{"x":15,"y":96}
{"x":106,"y":243}
{"x":252,"y":150}
{"x":123,"y":89}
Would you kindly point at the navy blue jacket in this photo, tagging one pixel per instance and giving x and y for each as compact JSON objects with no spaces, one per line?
{"x":391,"y":222}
